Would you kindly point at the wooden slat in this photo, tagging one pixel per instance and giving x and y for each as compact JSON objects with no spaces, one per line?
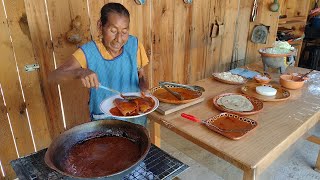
{"x":227,"y":43}
{"x":40,"y":36}
{"x":94,"y":15}
{"x":30,"y":80}
{"x":243,"y":27}
{"x":181,"y":54}
{"x":162,"y":39}
{"x":7,"y":149}
{"x":74,"y":96}
{"x":12,"y":92}
{"x":200,"y":32}
{"x":214,"y":48}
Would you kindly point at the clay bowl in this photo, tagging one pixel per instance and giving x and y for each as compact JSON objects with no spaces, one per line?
{"x":291,"y":81}
{"x":263,"y":79}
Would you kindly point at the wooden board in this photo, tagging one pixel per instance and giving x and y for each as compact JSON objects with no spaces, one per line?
{"x":214,"y":48}
{"x":42,"y":44}
{"x":162,"y":15}
{"x":11,"y":90}
{"x":7,"y":149}
{"x":34,"y":100}
{"x":74,"y":96}
{"x":165,"y":108}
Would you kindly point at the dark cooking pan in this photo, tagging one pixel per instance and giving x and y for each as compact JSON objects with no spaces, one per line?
{"x":57,"y":153}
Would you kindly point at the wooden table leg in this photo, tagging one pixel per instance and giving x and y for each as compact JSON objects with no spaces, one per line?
{"x":155,"y":133}
{"x":249,"y":174}
{"x":317,"y":168}
{"x":316,"y":140}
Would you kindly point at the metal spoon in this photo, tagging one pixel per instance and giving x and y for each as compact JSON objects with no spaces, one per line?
{"x":194,"y":88}
{"x":117,"y":92}
{"x":175,"y":94}
{"x":301,"y":78}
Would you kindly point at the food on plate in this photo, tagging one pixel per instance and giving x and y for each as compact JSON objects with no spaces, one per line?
{"x":259,"y":76}
{"x":266,"y":90}
{"x":235,"y":103}
{"x":228,"y":76}
{"x":132,"y":107}
{"x":144,"y":104}
{"x":185,"y":93}
{"x":264,"y":79}
{"x":126,"y":107}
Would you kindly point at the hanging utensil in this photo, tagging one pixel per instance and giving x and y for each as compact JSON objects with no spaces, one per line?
{"x":274,"y":7}
{"x":254,"y":12}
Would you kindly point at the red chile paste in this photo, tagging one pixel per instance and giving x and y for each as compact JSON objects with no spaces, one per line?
{"x":101,"y":157}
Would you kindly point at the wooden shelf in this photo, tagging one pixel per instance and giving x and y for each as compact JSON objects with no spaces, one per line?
{"x":292,"y":19}
{"x":291,"y":23}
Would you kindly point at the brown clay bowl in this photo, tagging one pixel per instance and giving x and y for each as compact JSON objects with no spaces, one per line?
{"x":291,"y":81}
{"x":262,"y":78}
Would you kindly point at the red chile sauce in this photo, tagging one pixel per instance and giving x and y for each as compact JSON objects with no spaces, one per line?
{"x":116,"y":112}
{"x":101,"y":156}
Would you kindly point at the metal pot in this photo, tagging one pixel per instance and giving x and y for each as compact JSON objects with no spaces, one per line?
{"x":59,"y":148}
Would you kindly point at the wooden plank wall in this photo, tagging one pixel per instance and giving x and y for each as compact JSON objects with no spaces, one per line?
{"x":176,"y":37}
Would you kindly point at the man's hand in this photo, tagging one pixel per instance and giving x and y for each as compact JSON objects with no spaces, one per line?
{"x":89,"y":78}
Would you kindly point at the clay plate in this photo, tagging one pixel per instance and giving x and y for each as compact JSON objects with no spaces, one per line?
{"x":250,"y":89}
{"x":257,"y":104}
{"x":164,"y":96}
{"x":214,"y":75}
{"x":231,"y":122}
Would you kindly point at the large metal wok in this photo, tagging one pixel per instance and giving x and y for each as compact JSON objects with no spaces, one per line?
{"x":58,"y":150}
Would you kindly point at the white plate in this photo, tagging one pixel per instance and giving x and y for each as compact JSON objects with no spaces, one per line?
{"x":107,"y":104}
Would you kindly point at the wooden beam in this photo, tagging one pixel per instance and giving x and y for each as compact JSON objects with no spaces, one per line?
{"x":43,"y":50}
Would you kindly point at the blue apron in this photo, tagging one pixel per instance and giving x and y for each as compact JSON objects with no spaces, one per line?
{"x":120,"y":73}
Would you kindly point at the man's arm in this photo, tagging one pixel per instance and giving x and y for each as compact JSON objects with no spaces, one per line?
{"x":70,"y":70}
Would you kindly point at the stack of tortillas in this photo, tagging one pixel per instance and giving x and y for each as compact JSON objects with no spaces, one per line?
{"x":235,"y":103}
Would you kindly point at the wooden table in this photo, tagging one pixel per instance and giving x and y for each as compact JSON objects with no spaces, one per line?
{"x":280,"y":124}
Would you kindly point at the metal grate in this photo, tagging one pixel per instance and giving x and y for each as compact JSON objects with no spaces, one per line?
{"x":157,"y":165}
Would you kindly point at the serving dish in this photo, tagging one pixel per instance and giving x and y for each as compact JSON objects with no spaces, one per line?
{"x":216,"y":77}
{"x":232,"y":122}
{"x":250,"y":90}
{"x":107,"y":105}
{"x":229,"y":125}
{"x":164,"y":96}
{"x":257,"y":104}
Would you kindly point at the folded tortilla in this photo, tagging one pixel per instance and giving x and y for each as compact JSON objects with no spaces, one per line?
{"x":126,"y":107}
{"x":144,"y":104}
{"x":236,"y":103}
